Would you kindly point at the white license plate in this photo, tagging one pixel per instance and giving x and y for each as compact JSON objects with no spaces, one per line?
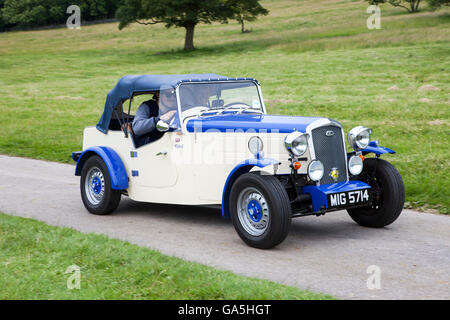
{"x":348,"y":198}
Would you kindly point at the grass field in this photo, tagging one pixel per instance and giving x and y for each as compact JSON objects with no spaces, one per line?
{"x":313,"y":58}
{"x":34,"y":258}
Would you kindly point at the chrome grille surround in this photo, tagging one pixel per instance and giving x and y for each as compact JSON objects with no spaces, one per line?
{"x":328,"y":156}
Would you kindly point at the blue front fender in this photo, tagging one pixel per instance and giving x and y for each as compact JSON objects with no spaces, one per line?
{"x":241,"y":168}
{"x":374,"y":147}
{"x":116,"y":169}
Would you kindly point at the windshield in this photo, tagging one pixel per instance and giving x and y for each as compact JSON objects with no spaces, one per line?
{"x":223,"y":97}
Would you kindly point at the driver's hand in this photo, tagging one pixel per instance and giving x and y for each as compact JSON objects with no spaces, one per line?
{"x":168,"y":116}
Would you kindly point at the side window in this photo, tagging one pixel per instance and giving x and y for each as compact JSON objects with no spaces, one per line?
{"x":116,"y":118}
{"x":141,"y":133}
{"x":137,"y":101}
{"x":120,"y":114}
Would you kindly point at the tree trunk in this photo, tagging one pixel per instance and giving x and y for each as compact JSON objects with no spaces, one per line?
{"x":241,"y":21}
{"x":189,"y":39}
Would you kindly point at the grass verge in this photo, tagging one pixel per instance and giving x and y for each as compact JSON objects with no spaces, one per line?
{"x":34,"y":257}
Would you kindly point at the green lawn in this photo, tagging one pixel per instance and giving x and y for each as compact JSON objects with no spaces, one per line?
{"x":34,"y":258}
{"x":313,"y":58}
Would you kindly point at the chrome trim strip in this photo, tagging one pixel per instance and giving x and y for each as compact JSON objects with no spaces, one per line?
{"x":177,"y":92}
{"x":261,"y":97}
{"x":345,"y":155}
{"x":216,"y":81}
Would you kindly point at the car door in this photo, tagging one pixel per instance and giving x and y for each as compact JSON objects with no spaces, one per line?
{"x":152,"y":164}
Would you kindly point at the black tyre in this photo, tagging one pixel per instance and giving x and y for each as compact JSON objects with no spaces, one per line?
{"x":95,"y":186}
{"x":260,"y":210}
{"x":388,"y":194}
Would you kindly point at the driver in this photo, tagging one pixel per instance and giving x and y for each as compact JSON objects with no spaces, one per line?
{"x":202,"y":95}
{"x":162,"y":107}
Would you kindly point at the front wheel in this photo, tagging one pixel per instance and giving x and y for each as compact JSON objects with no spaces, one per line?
{"x":95,"y":186}
{"x":260,"y":210}
{"x":388,"y":194}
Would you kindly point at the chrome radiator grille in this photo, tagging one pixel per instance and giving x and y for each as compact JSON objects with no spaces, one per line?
{"x":329,"y":148}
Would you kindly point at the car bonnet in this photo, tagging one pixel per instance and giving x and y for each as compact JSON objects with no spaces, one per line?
{"x":249,"y":122}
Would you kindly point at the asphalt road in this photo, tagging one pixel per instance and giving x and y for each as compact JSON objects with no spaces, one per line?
{"x":329,"y":254}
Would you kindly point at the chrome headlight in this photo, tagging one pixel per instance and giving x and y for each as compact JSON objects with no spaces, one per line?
{"x":315,"y":170}
{"x":296,"y":143}
{"x":255,"y":145}
{"x":359,"y":137}
{"x":355,"y":165}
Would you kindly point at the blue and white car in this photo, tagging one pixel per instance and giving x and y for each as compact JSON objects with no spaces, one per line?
{"x":222,"y":148}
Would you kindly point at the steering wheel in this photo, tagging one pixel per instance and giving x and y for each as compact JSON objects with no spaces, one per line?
{"x":233,"y":103}
{"x":193,"y":111}
{"x":230,"y":105}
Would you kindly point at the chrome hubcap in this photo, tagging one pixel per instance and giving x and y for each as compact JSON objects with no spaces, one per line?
{"x":253,"y":211}
{"x":94,"y":185}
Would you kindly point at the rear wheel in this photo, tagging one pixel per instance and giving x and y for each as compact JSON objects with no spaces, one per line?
{"x":95,"y":186}
{"x":260,"y":210}
{"x":388,"y":194}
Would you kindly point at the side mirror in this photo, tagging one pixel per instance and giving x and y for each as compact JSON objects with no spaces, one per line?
{"x":162,"y":126}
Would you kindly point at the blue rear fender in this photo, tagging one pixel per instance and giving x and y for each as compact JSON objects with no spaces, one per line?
{"x":241,"y":168}
{"x":116,"y":168}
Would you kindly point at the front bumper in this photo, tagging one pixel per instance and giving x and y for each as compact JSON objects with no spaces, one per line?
{"x":319,"y":194}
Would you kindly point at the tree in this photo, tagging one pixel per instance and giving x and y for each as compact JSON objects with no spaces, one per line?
{"x":435,"y":4}
{"x":410,"y":5}
{"x":34,"y":13}
{"x":246,"y":10}
{"x":174,"y":13}
{"x":2,"y":22}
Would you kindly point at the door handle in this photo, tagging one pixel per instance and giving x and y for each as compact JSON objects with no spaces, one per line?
{"x":163,"y":153}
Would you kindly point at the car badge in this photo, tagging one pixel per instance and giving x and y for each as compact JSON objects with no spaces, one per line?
{"x":329,"y":133}
{"x":334,"y":173}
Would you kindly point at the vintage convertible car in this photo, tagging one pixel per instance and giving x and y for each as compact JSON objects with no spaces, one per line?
{"x":222,"y":148}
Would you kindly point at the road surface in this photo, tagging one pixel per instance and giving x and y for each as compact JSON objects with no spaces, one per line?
{"x":329,"y":254}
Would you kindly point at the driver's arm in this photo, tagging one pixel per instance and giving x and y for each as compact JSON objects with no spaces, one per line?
{"x":166,"y":117}
{"x":144,"y":121}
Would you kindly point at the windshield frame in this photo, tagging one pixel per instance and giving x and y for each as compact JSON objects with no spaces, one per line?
{"x":177,"y":90}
